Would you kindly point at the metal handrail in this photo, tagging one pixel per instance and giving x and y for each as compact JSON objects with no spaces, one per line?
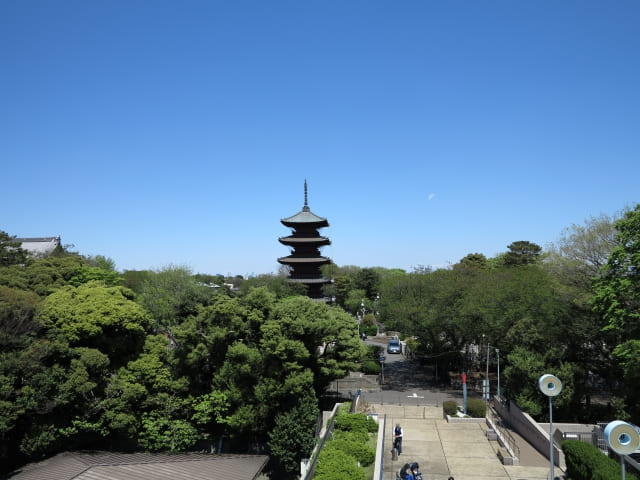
{"x":499,"y":425}
{"x":384,"y":430}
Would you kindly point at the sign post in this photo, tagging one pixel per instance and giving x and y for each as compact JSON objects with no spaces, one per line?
{"x":464,"y":393}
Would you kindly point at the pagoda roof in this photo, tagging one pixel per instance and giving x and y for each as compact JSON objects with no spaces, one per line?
{"x":309,"y":280}
{"x":305,"y":216}
{"x":310,"y":260}
{"x":293,"y":239}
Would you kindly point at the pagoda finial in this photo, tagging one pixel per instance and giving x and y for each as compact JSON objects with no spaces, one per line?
{"x":306,"y":202}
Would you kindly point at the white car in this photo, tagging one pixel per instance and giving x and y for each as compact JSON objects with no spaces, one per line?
{"x":394,"y":346}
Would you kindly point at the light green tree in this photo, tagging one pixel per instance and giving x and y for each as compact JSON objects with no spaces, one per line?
{"x":617,"y":300}
{"x":97,"y":316}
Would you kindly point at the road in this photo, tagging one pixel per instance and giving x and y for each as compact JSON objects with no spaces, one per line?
{"x":406,"y":382}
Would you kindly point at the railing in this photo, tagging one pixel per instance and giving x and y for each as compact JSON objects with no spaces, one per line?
{"x":311,"y":469}
{"x":497,"y":423}
{"x":382,"y":449}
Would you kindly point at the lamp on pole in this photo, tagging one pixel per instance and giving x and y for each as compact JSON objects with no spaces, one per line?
{"x":498,"y":355}
{"x":487,"y":392}
{"x":623,"y":439}
{"x":551,"y":386}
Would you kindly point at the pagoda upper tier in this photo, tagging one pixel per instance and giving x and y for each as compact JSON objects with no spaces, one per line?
{"x":305,"y":260}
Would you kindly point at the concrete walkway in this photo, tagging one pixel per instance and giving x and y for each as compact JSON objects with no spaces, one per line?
{"x":443,"y":450}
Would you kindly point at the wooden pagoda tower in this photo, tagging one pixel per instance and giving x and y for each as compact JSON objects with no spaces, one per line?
{"x":305,"y":260}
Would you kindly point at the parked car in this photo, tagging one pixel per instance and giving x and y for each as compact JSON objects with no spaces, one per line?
{"x":394,"y":346}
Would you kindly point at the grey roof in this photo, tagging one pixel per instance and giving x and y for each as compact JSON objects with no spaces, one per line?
{"x":292,"y":239}
{"x":293,"y":259}
{"x":142,"y":466}
{"x":305,"y":216}
{"x":39,"y":246}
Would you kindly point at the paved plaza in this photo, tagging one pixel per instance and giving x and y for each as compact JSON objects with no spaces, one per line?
{"x":443,"y":450}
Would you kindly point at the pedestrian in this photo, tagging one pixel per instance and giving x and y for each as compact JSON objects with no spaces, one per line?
{"x":406,"y":473}
{"x":398,"y":433}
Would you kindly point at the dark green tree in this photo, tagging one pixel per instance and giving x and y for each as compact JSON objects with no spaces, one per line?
{"x":292,"y":436}
{"x":11,"y":252}
{"x":522,"y":252}
{"x":473,"y":261}
{"x":367,"y":279}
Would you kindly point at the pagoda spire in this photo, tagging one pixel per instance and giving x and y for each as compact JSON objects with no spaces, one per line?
{"x":306,"y":197}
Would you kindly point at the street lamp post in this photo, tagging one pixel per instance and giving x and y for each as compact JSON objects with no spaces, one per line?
{"x":551,"y":386}
{"x":487,"y":374}
{"x":498,"y":355}
{"x":361,"y":316}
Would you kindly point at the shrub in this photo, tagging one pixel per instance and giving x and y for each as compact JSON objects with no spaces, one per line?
{"x":476,"y":407}
{"x":356,"y":422}
{"x":357,"y":436}
{"x":370,"y":330}
{"x":358,"y":450}
{"x":373,"y":352}
{"x":335,"y":464}
{"x":586,"y":462}
{"x":370,"y":367}
{"x":450,"y":407}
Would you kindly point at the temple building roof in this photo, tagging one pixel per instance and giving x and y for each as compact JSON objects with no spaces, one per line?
{"x":39,"y":246}
{"x":294,"y":240}
{"x":305,"y":216}
{"x":291,"y":259}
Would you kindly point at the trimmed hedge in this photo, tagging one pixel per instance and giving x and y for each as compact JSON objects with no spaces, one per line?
{"x":340,"y":456}
{"x":358,"y":450}
{"x":586,"y":462}
{"x":370,"y":367}
{"x":356,"y":422}
{"x":450,"y":407}
{"x":335,"y":464}
{"x":476,"y":407}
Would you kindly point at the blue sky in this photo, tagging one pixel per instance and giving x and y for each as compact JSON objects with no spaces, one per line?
{"x":181,"y":132}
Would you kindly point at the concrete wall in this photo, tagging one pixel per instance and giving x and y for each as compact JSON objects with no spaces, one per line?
{"x":529,"y":429}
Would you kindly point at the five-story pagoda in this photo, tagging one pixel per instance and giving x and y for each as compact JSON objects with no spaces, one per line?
{"x":305,"y":260}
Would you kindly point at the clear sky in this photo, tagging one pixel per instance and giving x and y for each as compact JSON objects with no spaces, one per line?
{"x":164,"y":133}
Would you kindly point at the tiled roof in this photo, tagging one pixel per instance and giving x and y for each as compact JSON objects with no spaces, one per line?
{"x":305,"y":216}
{"x":292,"y":259}
{"x":291,"y":239}
{"x":40,"y":246}
{"x":142,"y":466}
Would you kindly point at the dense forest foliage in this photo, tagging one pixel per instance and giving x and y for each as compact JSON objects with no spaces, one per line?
{"x":163,"y":360}
{"x":573,"y":311}
{"x":93,"y":358}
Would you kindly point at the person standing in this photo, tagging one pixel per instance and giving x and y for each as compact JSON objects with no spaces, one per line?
{"x":398,"y":433}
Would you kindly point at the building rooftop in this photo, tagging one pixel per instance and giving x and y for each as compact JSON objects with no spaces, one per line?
{"x":142,"y":466}
{"x":305,"y":216}
{"x":39,"y":246}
